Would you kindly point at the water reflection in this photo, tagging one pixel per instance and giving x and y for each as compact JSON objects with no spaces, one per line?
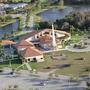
{"x":8,"y":29}
{"x":54,"y":14}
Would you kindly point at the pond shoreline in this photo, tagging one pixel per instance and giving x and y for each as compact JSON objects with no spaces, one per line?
{"x":45,"y":9}
{"x":10,"y":22}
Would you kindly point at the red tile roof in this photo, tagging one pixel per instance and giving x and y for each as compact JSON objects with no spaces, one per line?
{"x":6,"y":42}
{"x":24,"y":44}
{"x":24,"y":37}
{"x":31,"y":52}
{"x":46,"y":39}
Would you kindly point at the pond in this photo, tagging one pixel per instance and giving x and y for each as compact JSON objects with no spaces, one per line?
{"x":81,"y":8}
{"x":8,"y":29}
{"x":54,"y":13}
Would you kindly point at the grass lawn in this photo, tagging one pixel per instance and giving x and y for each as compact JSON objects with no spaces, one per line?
{"x":7,"y":65}
{"x":7,"y":23}
{"x":76,"y":38}
{"x":37,"y":18}
{"x":77,"y":68}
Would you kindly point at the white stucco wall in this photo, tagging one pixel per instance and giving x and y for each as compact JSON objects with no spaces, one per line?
{"x":38,"y":58}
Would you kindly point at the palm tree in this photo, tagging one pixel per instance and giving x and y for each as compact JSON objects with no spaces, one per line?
{"x":1,"y":52}
{"x":72,"y":30}
{"x":27,"y":19}
{"x":10,"y":60}
{"x":20,"y":24}
{"x":6,"y":36}
{"x":38,"y":4}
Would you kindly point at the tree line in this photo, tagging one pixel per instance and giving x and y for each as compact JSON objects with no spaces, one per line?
{"x":5,"y":18}
{"x":74,"y":22}
{"x":49,"y":1}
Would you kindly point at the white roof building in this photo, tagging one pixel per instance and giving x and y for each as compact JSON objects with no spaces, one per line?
{"x":15,"y":6}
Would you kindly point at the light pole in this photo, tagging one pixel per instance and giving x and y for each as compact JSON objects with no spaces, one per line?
{"x":10,"y":62}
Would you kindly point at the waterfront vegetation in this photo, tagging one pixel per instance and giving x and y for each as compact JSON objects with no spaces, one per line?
{"x":51,"y":1}
{"x":88,"y":84}
{"x":77,"y":38}
{"x":5,"y":20}
{"x":74,"y":23}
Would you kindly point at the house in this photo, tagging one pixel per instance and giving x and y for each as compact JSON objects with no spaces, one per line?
{"x":23,"y":45}
{"x":7,"y":42}
{"x":32,"y":54}
{"x":33,"y":44}
{"x":15,"y":6}
{"x":46,"y":42}
{"x":2,"y":11}
{"x":28,"y":52}
{"x":3,"y":1}
{"x":44,"y":38}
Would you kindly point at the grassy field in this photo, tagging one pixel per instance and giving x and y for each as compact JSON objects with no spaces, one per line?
{"x":77,"y":38}
{"x":77,"y":68}
{"x":7,"y":23}
{"x":7,"y":65}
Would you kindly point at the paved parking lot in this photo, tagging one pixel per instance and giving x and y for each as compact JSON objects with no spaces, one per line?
{"x":40,"y":81}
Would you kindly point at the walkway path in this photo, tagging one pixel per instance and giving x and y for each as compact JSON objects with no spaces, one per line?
{"x":70,"y":48}
{"x":86,"y":49}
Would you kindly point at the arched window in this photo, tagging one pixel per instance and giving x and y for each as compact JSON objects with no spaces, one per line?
{"x":37,"y":36}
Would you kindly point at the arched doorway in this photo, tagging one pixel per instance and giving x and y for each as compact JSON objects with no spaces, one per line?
{"x":34,"y":60}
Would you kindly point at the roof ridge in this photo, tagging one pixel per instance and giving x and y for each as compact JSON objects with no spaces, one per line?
{"x":28,"y":50}
{"x":35,"y":49}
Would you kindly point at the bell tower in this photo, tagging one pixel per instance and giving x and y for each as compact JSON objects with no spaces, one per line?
{"x":53,"y":38}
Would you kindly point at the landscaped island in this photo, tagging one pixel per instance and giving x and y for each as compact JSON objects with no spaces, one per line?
{"x":5,"y":20}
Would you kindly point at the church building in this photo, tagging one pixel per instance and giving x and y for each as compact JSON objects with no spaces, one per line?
{"x":33,"y":44}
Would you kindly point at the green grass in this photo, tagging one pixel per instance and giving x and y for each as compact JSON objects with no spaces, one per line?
{"x":76,"y":38}
{"x":77,"y":68}
{"x":36,"y":18}
{"x":7,"y":65}
{"x":6,"y":23}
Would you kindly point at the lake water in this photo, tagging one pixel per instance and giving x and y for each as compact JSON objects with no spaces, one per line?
{"x":81,"y":8}
{"x":8,"y":29}
{"x":55,"y":13}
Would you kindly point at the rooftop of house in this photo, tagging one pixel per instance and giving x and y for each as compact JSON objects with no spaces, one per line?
{"x":31,"y":52}
{"x":26,"y":36}
{"x":24,"y":44}
{"x":6,"y":42}
{"x":45,"y":39}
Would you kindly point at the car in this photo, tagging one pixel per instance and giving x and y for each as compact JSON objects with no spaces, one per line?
{"x":42,"y":83}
